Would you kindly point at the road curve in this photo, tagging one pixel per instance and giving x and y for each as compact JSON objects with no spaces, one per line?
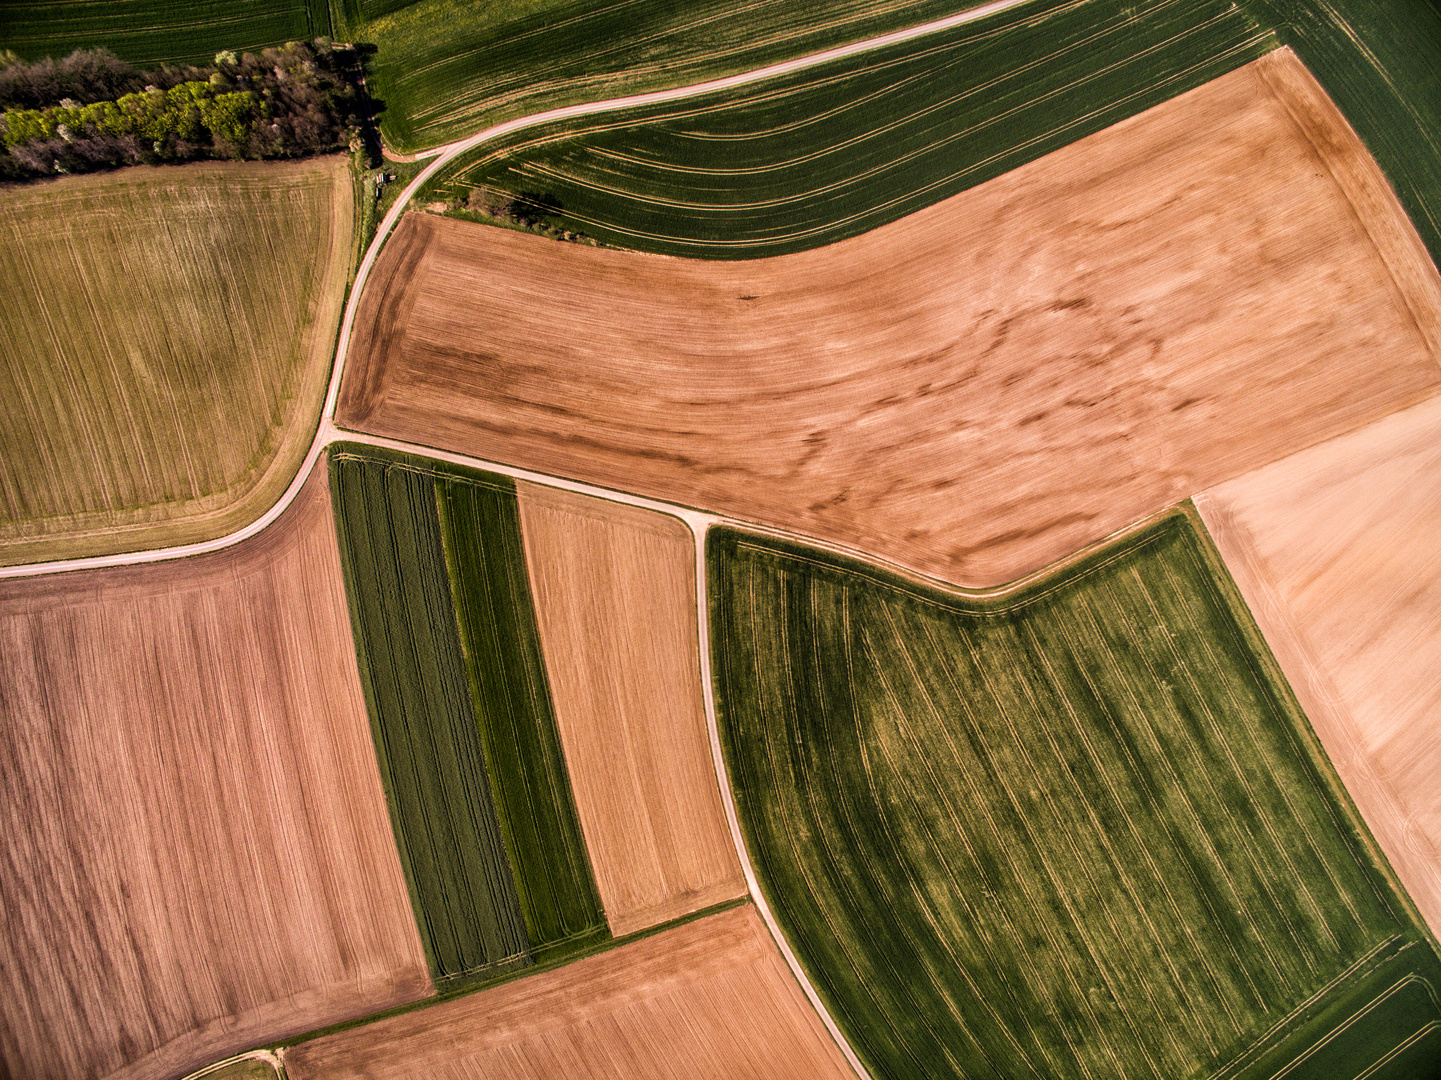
{"x":697,"y":521}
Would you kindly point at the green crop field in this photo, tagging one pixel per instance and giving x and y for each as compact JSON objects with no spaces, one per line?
{"x":147,"y":32}
{"x":167,"y":336}
{"x":1079,"y":829}
{"x":454,"y":679}
{"x":501,"y":641}
{"x":811,"y":158}
{"x":447,"y":68}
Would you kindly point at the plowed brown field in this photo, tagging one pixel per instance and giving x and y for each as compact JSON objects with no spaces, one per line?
{"x":614,"y":591}
{"x":1338,"y":553}
{"x":710,"y":999}
{"x":973,"y":391}
{"x":197,"y":855}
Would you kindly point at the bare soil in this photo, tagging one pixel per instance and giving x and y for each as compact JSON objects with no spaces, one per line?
{"x":973,"y":391}
{"x":614,"y":590}
{"x":1338,"y":553}
{"x":197,"y":855}
{"x":710,"y":999}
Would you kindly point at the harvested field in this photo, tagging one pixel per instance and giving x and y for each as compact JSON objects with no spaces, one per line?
{"x":168,"y":335}
{"x":1172,"y":302}
{"x":197,"y":856}
{"x":452,"y":668}
{"x":710,"y":1000}
{"x":614,"y":590}
{"x":1338,"y":552}
{"x":1074,"y":828}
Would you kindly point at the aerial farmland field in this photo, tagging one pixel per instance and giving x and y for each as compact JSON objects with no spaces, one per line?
{"x":615,"y":598}
{"x":197,"y":855}
{"x":168,"y":335}
{"x":446,"y":69}
{"x":1165,"y":304}
{"x":1337,"y":550}
{"x":1076,"y":827}
{"x":456,"y":685}
{"x":710,"y":999}
{"x":781,"y":577}
{"x":155,"y":31}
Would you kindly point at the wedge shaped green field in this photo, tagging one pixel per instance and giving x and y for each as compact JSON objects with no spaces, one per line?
{"x":1075,"y":828}
{"x":454,"y":680}
{"x":804,"y":160}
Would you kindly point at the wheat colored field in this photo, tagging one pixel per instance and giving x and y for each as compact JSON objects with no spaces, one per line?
{"x":710,"y":1000}
{"x":1338,"y":552}
{"x":972,"y":391}
{"x":166,"y":343}
{"x":615,"y":597}
{"x":197,"y":854}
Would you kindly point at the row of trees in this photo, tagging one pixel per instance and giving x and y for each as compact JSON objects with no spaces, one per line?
{"x":92,"y":110}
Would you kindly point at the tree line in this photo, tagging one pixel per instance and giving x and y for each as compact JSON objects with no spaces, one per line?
{"x":91,"y":110}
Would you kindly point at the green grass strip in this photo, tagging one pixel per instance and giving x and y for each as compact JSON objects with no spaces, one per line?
{"x":1079,"y":829}
{"x":430,"y":753}
{"x":506,"y":668}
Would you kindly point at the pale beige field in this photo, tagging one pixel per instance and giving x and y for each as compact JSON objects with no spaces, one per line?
{"x":710,"y":1000}
{"x":197,"y":855}
{"x":165,"y":346}
{"x":973,"y":391}
{"x":614,"y":590}
{"x":1338,"y":553}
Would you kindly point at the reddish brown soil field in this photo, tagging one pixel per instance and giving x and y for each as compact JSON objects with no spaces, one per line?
{"x":614,"y":591}
{"x":197,"y":855}
{"x":973,"y":391}
{"x":1338,"y":552}
{"x":711,"y":999}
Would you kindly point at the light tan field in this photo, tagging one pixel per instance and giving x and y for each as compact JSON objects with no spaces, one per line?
{"x":710,"y":1000}
{"x":165,"y":346}
{"x":972,"y":391}
{"x":1338,"y":553}
{"x":197,"y":855}
{"x":615,"y":597}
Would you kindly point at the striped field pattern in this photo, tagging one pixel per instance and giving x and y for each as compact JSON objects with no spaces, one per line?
{"x":1076,"y":829}
{"x":158,"y":31}
{"x":455,"y":682}
{"x":167,"y":338}
{"x":804,"y":160}
{"x":447,"y":68}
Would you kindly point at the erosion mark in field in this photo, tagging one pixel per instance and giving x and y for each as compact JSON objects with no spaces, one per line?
{"x":455,"y":681}
{"x":1079,"y":829}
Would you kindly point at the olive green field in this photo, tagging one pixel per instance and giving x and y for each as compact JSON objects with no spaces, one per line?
{"x":167,"y":337}
{"x":1076,"y":828}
